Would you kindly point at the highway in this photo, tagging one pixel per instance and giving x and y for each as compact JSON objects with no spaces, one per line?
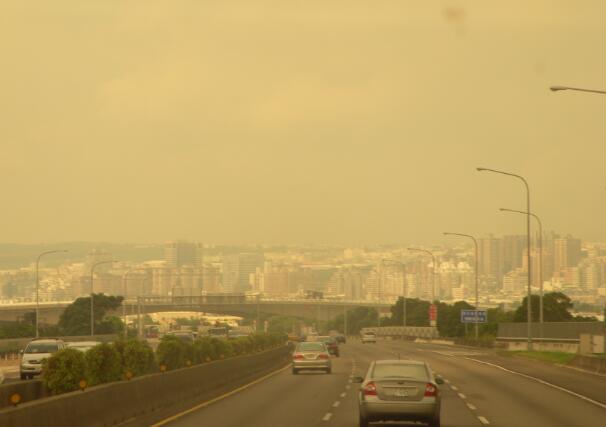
{"x":476,"y":393}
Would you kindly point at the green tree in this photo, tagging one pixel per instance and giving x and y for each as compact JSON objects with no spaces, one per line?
{"x":556,"y":308}
{"x":136,"y":356}
{"x":357,"y":318}
{"x":171,"y":352}
{"x":103,"y":364}
{"x":75,"y":320}
{"x":63,"y":371}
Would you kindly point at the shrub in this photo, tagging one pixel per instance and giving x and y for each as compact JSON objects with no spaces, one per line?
{"x":64,"y":370}
{"x":204,"y":350}
{"x":103,"y":364}
{"x":223,"y":348}
{"x":136,"y":356}
{"x":171,"y":352}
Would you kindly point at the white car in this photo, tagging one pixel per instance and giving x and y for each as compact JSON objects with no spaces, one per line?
{"x":82,"y":346}
{"x":36,"y":351}
{"x":369,"y":337}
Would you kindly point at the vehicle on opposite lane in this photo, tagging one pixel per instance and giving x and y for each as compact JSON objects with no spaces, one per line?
{"x":82,"y":346}
{"x":369,"y":337}
{"x":399,"y":390}
{"x":35,"y":352}
{"x":311,"y":356}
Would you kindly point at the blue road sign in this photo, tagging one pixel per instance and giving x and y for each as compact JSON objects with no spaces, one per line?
{"x":474,"y":316}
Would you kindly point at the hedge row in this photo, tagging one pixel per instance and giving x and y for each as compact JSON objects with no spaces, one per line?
{"x":70,"y":369}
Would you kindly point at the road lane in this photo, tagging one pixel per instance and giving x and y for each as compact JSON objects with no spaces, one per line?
{"x":504,"y":398}
{"x":475,"y":395}
{"x":296,"y":400}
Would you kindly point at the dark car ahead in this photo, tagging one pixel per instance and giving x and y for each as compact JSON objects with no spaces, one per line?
{"x":331,"y":344}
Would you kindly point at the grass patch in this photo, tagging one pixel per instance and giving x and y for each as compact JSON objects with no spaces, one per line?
{"x":546,"y":356}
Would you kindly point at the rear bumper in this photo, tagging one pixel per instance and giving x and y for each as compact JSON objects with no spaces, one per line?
{"x":311,"y":364}
{"x":399,"y":411}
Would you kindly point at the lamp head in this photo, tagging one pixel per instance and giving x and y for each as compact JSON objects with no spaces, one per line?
{"x":557,"y":88}
{"x":480,"y":169}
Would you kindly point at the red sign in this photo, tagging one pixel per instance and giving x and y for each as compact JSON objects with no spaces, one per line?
{"x":433,"y":314}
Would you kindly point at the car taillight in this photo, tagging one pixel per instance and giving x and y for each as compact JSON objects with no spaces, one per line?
{"x":297,"y":356}
{"x":370,"y":389}
{"x":430,"y":390}
{"x":323,"y":356}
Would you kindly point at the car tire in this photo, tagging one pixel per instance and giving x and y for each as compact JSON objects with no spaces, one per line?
{"x":23,"y":376}
{"x":329,"y":371}
{"x":295,"y":371}
{"x":363,"y":422}
{"x":435,"y":422}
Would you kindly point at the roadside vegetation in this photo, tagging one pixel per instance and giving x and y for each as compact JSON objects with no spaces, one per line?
{"x":70,"y":369}
{"x":555,"y":357}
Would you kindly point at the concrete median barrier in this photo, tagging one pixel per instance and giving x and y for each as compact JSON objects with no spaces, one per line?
{"x":145,"y":397}
{"x":590,"y":363}
{"x":27,"y":390}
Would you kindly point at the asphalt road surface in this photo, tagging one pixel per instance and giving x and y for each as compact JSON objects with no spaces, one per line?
{"x":477,"y":392}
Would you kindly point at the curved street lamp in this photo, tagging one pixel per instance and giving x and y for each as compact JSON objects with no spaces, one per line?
{"x":578,"y":89}
{"x":529,"y":291}
{"x":475,"y":242}
{"x":540,"y":258}
{"x":92,"y":295}
{"x":38,"y":285}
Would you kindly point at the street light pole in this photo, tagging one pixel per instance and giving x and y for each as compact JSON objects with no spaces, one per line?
{"x":578,"y":89}
{"x":433,"y":271}
{"x":92,"y":307}
{"x":124,"y":283}
{"x":540,"y":260}
{"x":528,"y":305}
{"x":475,"y":242}
{"x":38,"y":286}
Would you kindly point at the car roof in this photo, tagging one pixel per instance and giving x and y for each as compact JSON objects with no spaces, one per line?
{"x":45,"y":340}
{"x":82,"y":343}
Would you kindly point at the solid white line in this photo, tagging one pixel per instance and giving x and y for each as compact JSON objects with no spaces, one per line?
{"x":327,"y":417}
{"x":218,"y":398}
{"x":343,"y":394}
{"x":336,"y":404}
{"x":454,"y":387}
{"x":462,"y":396}
{"x":483,"y":420}
{"x":557,"y":387}
{"x":472,"y":407}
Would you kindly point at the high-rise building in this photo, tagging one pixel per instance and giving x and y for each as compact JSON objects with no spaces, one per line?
{"x":513,"y":248}
{"x":490,"y":257}
{"x":179,"y":254}
{"x":566,"y":253}
{"x":237,"y":269}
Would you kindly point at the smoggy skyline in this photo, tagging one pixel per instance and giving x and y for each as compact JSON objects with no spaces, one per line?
{"x":331,"y":122}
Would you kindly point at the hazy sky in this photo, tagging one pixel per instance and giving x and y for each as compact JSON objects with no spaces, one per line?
{"x":298,"y":121}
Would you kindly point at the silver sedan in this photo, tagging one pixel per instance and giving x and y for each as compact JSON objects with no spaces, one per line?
{"x":399,"y":390}
{"x":311,"y":356}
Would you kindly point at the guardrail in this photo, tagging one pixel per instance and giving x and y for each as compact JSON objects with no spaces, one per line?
{"x":148,"y":398}
{"x":408,"y":331}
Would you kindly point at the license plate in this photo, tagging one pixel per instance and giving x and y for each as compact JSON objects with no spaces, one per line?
{"x":401,"y":392}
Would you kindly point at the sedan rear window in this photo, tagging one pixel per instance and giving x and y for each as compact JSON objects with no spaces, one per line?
{"x":42,"y":348}
{"x":311,"y":346}
{"x":399,"y":370}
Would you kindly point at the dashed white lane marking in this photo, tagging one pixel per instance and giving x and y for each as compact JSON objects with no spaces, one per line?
{"x":343,"y":394}
{"x":446,"y":381}
{"x":540,"y":381}
{"x":483,"y":420}
{"x":454,"y":387}
{"x":462,"y":396}
{"x":336,"y":404}
{"x":347,"y":387}
{"x":471,"y":406}
{"x":327,"y":417}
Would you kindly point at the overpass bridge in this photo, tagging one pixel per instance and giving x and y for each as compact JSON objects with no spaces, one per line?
{"x":237,"y":305}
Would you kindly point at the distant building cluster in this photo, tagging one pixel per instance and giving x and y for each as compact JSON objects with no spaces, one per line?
{"x":363,"y":273}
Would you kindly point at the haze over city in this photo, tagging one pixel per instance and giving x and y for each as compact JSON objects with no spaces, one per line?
{"x":325,"y":213}
{"x":274,"y":122}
